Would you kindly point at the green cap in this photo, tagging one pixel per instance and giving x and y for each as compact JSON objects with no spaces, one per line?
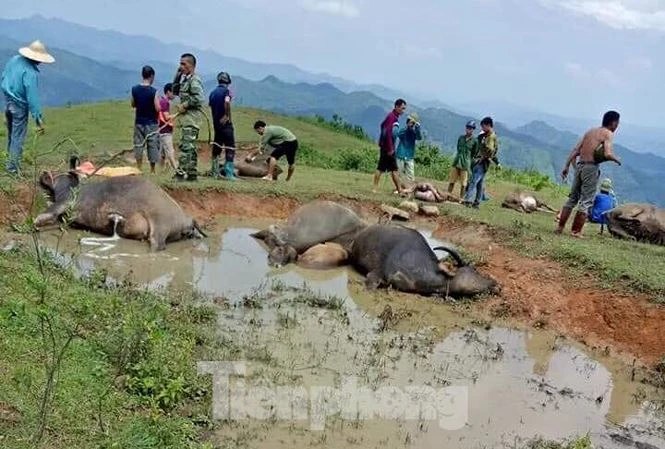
{"x":606,"y":185}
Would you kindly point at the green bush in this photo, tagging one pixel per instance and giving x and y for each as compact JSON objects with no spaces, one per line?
{"x":430,"y":163}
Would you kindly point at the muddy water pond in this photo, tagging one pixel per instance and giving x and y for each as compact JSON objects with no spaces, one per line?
{"x":382,"y":369}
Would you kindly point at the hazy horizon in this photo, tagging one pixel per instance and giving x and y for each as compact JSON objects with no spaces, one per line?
{"x":574,"y":58}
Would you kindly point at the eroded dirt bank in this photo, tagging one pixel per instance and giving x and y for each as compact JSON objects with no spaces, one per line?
{"x":536,"y":292}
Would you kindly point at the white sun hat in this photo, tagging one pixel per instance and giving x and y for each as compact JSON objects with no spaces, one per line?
{"x":37,"y":52}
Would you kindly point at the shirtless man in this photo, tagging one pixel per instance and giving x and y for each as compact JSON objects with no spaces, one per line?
{"x":593,"y":148}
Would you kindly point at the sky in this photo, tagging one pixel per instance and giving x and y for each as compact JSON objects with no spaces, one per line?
{"x":576,"y":58}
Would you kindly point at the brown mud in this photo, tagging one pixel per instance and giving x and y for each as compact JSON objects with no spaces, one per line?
{"x":536,"y":292}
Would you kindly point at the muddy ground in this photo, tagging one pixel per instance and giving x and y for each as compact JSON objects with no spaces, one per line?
{"x":536,"y":292}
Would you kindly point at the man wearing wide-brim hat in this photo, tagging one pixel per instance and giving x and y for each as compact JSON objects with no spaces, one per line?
{"x":19,"y":86}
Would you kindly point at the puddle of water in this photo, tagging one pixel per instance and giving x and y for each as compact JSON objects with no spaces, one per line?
{"x":518,"y":384}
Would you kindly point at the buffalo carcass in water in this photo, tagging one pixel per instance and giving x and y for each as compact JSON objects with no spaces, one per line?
{"x":634,"y":221}
{"x":314,"y":223}
{"x":132,"y":206}
{"x":400,"y":257}
{"x":523,"y":202}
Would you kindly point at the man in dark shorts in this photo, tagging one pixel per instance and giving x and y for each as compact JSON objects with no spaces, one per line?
{"x":220,"y":107}
{"x":387,"y":160}
{"x":283,"y":142}
{"x":146,"y":102}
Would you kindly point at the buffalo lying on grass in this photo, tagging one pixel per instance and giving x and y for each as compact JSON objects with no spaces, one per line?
{"x":523,"y":202}
{"x":640,"y":222}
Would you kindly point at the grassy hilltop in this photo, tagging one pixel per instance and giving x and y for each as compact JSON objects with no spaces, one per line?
{"x":126,"y":376}
{"x":334,"y":161}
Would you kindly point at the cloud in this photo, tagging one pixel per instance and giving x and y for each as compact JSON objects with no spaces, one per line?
{"x":582,"y":74}
{"x":619,"y":14}
{"x":422,"y":52}
{"x":576,"y":70}
{"x":640,"y":64}
{"x":343,"y":8}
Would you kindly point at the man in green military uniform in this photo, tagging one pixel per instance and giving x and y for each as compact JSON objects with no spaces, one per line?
{"x":190,"y":116}
{"x":467,"y":146}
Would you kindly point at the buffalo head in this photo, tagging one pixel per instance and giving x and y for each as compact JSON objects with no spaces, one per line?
{"x":465,"y":281}
{"x":58,"y":189}
{"x":280,"y":252}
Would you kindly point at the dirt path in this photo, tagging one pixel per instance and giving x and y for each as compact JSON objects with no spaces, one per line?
{"x":536,"y":292}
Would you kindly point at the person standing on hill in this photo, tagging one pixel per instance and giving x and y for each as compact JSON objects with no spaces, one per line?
{"x":486,"y":153}
{"x":220,"y":107}
{"x":166,"y":127}
{"x":467,"y":145}
{"x":406,"y":150}
{"x":387,"y":159}
{"x":283,"y":142}
{"x":590,"y":151}
{"x":146,"y":102}
{"x":189,"y":88}
{"x":19,"y":86}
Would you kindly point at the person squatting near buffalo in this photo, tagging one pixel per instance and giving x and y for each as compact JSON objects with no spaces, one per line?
{"x":19,"y":83}
{"x":220,"y":107}
{"x":282,"y":141}
{"x":604,"y":201}
{"x":146,"y":103}
{"x":594,"y":148}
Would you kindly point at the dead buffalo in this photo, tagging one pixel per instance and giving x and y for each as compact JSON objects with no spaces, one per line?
{"x":140,"y":209}
{"x":313,"y":223}
{"x":258,"y":168}
{"x":400,"y":257}
{"x":523,"y":202}
{"x":641,"y":222}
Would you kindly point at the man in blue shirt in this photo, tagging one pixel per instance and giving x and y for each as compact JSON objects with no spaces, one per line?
{"x":406,"y":150}
{"x":220,"y":107}
{"x":146,"y":129}
{"x":19,"y":86}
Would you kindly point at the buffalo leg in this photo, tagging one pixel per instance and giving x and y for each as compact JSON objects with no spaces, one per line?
{"x":620,"y":233}
{"x":373,"y":280}
{"x":512,"y":206}
{"x":401,"y":282}
{"x":156,"y":237}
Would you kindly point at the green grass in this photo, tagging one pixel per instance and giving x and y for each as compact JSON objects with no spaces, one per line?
{"x":575,"y":443}
{"x":128,"y":377}
{"x":334,"y":162}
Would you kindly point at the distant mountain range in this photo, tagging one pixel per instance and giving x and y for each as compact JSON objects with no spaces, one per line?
{"x":111,"y":47}
{"x":78,"y":78}
{"x":643,"y":139}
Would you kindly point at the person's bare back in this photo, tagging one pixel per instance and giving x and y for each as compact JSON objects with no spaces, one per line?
{"x":591,"y":140}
